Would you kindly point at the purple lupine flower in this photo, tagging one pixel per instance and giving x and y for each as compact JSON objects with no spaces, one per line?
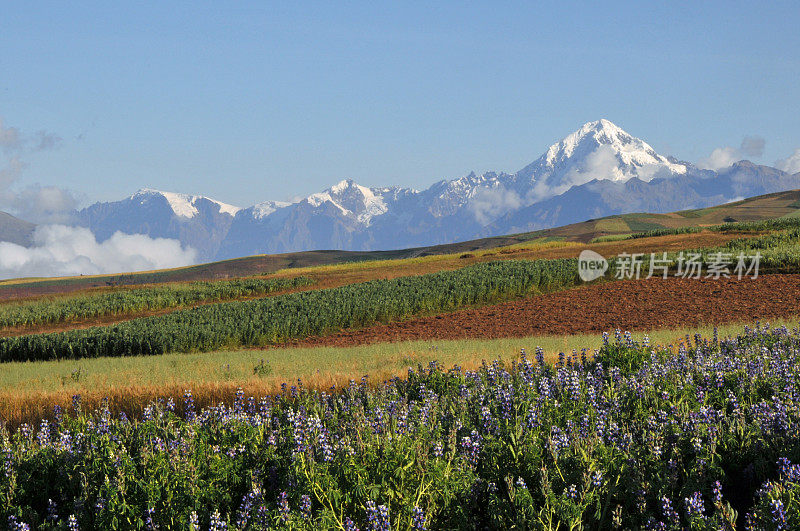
{"x":16,"y":525}
{"x":438,"y":450}
{"x":694,"y":505}
{"x":43,"y":437}
{"x":717,"y":488}
{"x":540,"y":356}
{"x":283,"y":506}
{"x":188,"y":405}
{"x":778,"y":514}
{"x":372,"y":514}
{"x":669,"y":512}
{"x":417,"y":518}
{"x":217,"y":523}
{"x":377,"y":517}
{"x":238,"y":402}
{"x":571,"y":492}
{"x":383,"y":518}
{"x":784,"y":465}
{"x":52,"y":511}
{"x":148,"y":521}
{"x":246,"y":507}
{"x":305,"y":506}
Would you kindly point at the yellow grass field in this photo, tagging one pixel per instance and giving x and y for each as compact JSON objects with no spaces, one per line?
{"x":29,"y":390}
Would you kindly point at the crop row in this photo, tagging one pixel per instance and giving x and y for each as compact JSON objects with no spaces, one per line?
{"x":297,"y":315}
{"x":120,"y":302}
{"x":776,"y":224}
{"x":762,"y":225}
{"x":779,"y":249}
{"x":633,"y":437}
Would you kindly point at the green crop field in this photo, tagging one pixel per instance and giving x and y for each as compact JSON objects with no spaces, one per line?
{"x":297,"y":315}
{"x":130,"y":301}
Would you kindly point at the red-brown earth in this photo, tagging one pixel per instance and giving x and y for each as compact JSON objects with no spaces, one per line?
{"x":627,"y":304}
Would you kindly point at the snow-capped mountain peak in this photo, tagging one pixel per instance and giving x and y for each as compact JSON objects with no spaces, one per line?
{"x":598,"y":150}
{"x":184,"y":205}
{"x":355,"y":200}
{"x":630,"y":150}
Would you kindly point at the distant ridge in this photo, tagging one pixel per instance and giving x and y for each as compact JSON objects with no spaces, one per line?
{"x":595,"y":171}
{"x":15,"y":230}
{"x":184,"y":204}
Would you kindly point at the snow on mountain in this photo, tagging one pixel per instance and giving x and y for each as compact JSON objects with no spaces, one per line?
{"x":595,"y":171}
{"x":184,"y":205}
{"x":196,"y":221}
{"x":356,"y":201}
{"x":598,"y":150}
{"x":445,"y":198}
{"x":262,"y":210}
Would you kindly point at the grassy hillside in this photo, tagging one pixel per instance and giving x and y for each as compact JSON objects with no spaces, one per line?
{"x":777,"y":205}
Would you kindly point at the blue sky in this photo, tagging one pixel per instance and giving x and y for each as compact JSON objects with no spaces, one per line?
{"x":252,"y":101}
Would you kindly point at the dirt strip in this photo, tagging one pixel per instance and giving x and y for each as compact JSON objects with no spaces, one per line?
{"x":628,"y":304}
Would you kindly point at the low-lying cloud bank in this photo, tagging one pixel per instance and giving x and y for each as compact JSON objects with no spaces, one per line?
{"x":720,"y":158}
{"x":59,"y":250}
{"x":790,"y":164}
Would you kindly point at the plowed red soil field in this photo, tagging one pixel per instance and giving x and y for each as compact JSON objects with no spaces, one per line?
{"x":627,"y":304}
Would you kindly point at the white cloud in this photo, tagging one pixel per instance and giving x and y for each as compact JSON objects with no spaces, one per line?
{"x":602,"y":163}
{"x":59,"y":250}
{"x":490,"y":203}
{"x":648,"y":172}
{"x":40,"y":204}
{"x":723,"y":157}
{"x":790,"y":164}
{"x":720,"y":158}
{"x":735,"y":199}
{"x":36,"y":203}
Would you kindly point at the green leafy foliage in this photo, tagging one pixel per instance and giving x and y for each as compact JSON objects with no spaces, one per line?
{"x":703,"y":438}
{"x":755,"y":226}
{"x":297,"y":315}
{"x":128,"y":301}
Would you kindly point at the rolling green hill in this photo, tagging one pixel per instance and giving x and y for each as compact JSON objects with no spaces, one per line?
{"x":777,"y":205}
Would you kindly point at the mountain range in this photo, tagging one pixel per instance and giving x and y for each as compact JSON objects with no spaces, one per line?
{"x":596,"y":171}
